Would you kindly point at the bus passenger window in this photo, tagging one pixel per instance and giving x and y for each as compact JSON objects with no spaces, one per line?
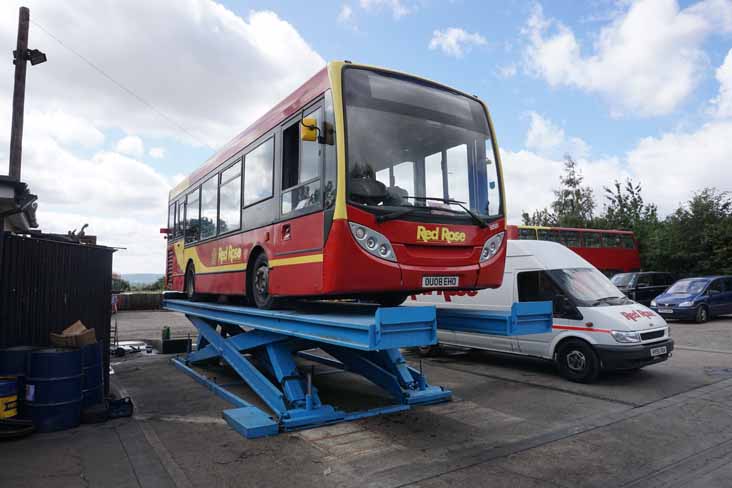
{"x":230,"y":199}
{"x":611,"y":240}
{"x":193,"y":209}
{"x":570,"y":238}
{"x":592,"y":239}
{"x":171,"y":219}
{"x":179,"y":218}
{"x":209,"y":206}
{"x":628,"y":242}
{"x":527,"y":234}
{"x":258,"y":168}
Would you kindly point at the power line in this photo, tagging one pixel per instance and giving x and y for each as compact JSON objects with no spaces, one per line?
{"x":122,"y":87}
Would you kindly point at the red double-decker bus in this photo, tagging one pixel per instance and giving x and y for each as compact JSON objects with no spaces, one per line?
{"x":364,"y":182}
{"x":610,"y":251}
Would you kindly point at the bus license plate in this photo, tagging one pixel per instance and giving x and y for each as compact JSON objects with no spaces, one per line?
{"x":658,"y":351}
{"x":665,"y":310}
{"x":439,"y":281}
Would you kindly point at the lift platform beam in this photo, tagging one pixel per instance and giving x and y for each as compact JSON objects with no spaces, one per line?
{"x":261,"y":346}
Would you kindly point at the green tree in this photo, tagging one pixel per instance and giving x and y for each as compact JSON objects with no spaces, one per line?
{"x":541,"y":217}
{"x":626,"y":209}
{"x":574,"y":203}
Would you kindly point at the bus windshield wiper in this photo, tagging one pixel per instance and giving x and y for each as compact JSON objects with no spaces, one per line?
{"x":396,"y":214}
{"x":477,"y":218}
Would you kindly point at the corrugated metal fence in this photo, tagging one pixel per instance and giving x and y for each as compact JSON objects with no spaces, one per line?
{"x":47,"y":285}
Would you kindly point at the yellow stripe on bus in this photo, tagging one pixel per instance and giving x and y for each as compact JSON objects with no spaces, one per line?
{"x":310,"y":258}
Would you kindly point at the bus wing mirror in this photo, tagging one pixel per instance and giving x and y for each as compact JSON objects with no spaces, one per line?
{"x":309,"y":129}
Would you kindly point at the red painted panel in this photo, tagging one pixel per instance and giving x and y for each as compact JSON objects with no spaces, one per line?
{"x":349,"y":269}
{"x":221,"y":283}
{"x":305,"y":234}
{"x":297,"y":280}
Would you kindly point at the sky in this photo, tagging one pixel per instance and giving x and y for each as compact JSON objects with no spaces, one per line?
{"x":137,"y":94}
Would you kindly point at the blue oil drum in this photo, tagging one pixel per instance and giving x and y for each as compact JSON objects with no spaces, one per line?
{"x":53,"y":388}
{"x":92,"y":382}
{"x":14,"y":365}
{"x":14,"y":360}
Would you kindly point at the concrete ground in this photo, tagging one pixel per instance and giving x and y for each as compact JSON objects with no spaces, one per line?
{"x":513,"y":422}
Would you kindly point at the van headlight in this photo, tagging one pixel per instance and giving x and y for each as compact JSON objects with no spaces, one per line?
{"x":491,"y":247}
{"x":686,"y":304}
{"x":372,"y":242}
{"x":625,"y":337}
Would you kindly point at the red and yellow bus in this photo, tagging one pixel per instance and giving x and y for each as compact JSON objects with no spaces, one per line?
{"x":610,"y":251}
{"x":364,"y":182}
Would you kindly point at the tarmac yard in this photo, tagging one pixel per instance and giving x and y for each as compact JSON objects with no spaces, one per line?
{"x":512,"y":422}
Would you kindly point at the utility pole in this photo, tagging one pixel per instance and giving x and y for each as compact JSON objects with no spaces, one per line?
{"x":21,"y":57}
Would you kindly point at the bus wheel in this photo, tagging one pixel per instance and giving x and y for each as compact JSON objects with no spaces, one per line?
{"x":391,"y":300}
{"x":578,"y":362}
{"x":190,"y":284}
{"x":702,"y":314}
{"x":259,"y":281}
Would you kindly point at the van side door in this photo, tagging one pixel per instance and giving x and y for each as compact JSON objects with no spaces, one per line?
{"x":716,"y":297}
{"x":534,"y":285}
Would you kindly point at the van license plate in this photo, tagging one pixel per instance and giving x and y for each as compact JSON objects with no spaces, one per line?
{"x":440,"y":281}
{"x":658,"y":351}
{"x":665,"y":310}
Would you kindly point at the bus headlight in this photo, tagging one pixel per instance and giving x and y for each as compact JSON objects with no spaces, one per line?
{"x":491,"y":247}
{"x":372,"y":242}
{"x":625,"y":337}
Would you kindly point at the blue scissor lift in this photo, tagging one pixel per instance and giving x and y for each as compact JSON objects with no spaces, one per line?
{"x":261,"y":346}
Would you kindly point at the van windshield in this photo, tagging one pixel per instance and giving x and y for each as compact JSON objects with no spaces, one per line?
{"x":588,"y":287}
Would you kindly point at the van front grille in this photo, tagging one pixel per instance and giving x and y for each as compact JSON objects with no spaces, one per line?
{"x":647,"y":336}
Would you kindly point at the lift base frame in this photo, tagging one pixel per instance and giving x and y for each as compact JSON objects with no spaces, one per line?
{"x":261,"y":347}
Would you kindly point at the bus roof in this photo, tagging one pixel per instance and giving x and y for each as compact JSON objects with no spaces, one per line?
{"x":295,"y":101}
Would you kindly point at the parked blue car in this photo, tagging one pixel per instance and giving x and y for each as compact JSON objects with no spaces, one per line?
{"x":695,"y":299}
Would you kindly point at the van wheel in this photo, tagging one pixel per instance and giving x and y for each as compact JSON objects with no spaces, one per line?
{"x":702,"y":314}
{"x":578,"y":362}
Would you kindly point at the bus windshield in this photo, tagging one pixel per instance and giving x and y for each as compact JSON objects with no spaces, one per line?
{"x":414,"y":145}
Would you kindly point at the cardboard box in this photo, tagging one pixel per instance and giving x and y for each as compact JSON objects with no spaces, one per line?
{"x":75,"y":335}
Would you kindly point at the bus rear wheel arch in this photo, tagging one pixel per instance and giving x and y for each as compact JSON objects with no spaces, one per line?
{"x":577,"y":361}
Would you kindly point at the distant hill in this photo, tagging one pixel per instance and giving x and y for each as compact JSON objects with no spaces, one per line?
{"x":141,"y":278}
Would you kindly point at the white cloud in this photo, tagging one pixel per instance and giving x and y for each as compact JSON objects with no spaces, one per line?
{"x":65,"y":128}
{"x":723,"y":102}
{"x":454,"y":41}
{"x":157,"y":152}
{"x":346,"y":14}
{"x":548,"y":139}
{"x":398,"y":9}
{"x":670,"y":168}
{"x":131,"y":146}
{"x":508,"y":71}
{"x":209,"y":71}
{"x":645,"y":62}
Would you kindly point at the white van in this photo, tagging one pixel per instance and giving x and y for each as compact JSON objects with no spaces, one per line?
{"x":595,"y":326}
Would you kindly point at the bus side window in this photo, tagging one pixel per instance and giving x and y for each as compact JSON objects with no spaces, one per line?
{"x":230,"y":198}
{"x":628,"y":242}
{"x":570,"y":238}
{"x":193,"y":210}
{"x":258,"y":171}
{"x":171,"y":219}
{"x":301,"y":163}
{"x":592,"y":239}
{"x":209,"y":206}
{"x":527,"y":234}
{"x":180,"y":217}
{"x":611,"y":240}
